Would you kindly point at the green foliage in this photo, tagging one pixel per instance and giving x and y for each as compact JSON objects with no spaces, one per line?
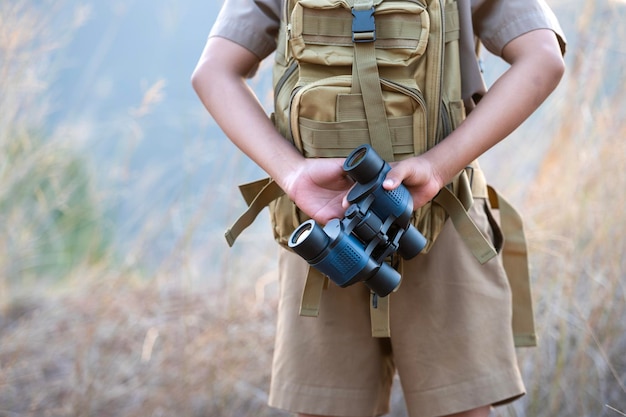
{"x":50,"y":214}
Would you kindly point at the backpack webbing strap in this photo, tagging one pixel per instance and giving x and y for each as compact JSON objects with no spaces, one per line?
{"x":480,"y":247}
{"x":379,"y":316}
{"x":258,"y":195}
{"x":315,"y":284}
{"x":366,"y":80}
{"x":434,"y":58}
{"x":515,"y":260}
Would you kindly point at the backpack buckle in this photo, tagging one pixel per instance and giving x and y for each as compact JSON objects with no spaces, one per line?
{"x":363,"y":25}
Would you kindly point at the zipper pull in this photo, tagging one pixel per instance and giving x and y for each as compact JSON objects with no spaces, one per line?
{"x":287,"y":40}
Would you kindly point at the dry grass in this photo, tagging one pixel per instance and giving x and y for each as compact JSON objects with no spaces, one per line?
{"x":575,"y":222}
{"x":109,"y":342}
{"x":123,"y":349}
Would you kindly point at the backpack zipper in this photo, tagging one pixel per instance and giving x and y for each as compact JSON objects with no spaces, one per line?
{"x":414,"y":93}
{"x":442,"y":37}
{"x":445,"y":127}
{"x":293,"y":66}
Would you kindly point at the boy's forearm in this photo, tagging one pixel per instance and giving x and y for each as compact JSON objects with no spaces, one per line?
{"x":220,"y":84}
{"x":512,"y":98}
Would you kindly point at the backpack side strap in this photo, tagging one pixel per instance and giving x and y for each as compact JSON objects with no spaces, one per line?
{"x":315,"y":284}
{"x":480,"y":247}
{"x":258,"y":195}
{"x":456,"y":199}
{"x":515,"y":260}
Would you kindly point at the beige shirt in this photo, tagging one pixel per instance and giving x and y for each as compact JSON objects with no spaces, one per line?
{"x":254,"y":25}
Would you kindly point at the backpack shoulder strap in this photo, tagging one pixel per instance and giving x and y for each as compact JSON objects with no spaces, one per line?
{"x":366,"y":79}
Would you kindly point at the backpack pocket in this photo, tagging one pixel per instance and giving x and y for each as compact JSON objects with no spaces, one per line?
{"x":328,"y":120}
{"x":321,"y":32}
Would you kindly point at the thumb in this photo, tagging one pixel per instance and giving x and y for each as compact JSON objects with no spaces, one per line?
{"x":393,"y":178}
{"x":344,"y":202}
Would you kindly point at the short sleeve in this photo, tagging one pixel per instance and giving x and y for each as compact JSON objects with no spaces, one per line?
{"x":252,"y":24}
{"x":497,"y":22}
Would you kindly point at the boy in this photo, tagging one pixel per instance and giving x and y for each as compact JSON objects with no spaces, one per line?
{"x":451,"y":339}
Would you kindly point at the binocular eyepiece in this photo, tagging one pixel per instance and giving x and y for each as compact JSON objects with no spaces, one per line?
{"x":376,"y":225}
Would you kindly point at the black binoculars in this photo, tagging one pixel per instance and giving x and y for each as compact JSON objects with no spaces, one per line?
{"x":376,"y":225}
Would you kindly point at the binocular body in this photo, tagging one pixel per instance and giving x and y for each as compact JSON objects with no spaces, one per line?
{"x":375,"y":226}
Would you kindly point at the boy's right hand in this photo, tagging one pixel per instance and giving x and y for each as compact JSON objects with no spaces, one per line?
{"x":318,"y":188}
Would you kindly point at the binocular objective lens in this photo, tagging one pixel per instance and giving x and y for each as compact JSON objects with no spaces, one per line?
{"x":309,"y":240}
{"x":301,"y":234}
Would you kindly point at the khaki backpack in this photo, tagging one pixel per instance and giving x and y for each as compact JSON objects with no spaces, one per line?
{"x":387,"y":73}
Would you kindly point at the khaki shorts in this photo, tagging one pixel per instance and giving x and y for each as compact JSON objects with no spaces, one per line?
{"x":451,"y":339}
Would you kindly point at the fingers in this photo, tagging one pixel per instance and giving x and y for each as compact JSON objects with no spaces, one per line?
{"x":417,"y":176}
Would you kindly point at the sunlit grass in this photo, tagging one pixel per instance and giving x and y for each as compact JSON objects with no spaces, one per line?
{"x":575,"y":222}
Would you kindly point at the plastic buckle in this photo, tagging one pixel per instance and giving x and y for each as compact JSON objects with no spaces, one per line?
{"x":363,"y":25}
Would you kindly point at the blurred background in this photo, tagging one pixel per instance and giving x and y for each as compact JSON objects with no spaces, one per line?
{"x":118,"y":293}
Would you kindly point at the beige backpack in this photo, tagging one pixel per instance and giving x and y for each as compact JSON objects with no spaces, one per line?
{"x":387,"y":73}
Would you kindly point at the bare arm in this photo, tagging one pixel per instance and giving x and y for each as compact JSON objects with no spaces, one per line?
{"x":219,"y":81}
{"x":316,"y":185}
{"x":536,"y":69}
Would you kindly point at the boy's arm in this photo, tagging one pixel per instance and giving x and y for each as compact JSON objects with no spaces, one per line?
{"x":219,"y":79}
{"x":536,"y":69}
